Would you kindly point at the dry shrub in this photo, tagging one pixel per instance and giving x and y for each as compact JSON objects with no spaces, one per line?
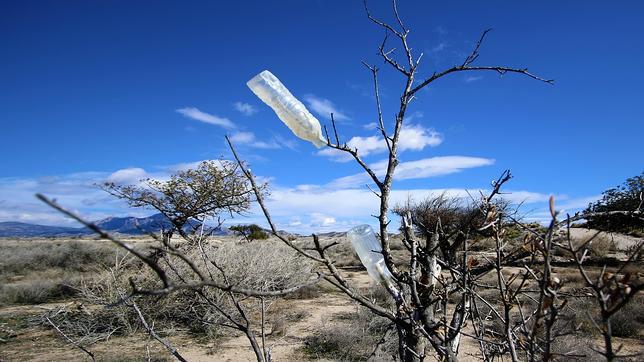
{"x":574,"y":348}
{"x":86,"y":326}
{"x":75,"y":255}
{"x":353,"y":338}
{"x":36,"y":291}
{"x":255,"y":265}
{"x":343,"y":254}
{"x":39,"y":272}
{"x":628,"y":322}
{"x":281,"y":317}
{"x":578,"y":312}
{"x":308,"y":292}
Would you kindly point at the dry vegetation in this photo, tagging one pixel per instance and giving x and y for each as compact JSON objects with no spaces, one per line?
{"x":73,"y":284}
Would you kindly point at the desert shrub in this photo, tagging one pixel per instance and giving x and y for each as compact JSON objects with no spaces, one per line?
{"x":343,"y":254}
{"x":578,"y":312}
{"x":282,"y":317}
{"x":308,"y":292}
{"x":258,"y":266}
{"x":39,"y":287}
{"x":574,"y":348}
{"x":88,"y":326}
{"x":628,"y":322}
{"x":31,"y":292}
{"x":353,"y":338}
{"x":69,"y":255}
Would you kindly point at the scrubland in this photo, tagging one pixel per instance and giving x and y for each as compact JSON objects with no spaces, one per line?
{"x":53,"y":291}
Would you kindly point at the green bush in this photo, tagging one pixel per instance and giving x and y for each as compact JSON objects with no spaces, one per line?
{"x":625,"y":197}
{"x":250,"y":232}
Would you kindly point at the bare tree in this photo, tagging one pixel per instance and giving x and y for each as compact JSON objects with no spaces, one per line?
{"x":441,"y":267}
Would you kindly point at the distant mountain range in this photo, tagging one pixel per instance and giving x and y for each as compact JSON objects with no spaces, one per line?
{"x":122,"y":225}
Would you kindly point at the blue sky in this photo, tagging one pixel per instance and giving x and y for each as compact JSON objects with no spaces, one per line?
{"x":121,"y":90}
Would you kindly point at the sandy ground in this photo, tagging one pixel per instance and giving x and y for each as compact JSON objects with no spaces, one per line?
{"x":622,"y":241}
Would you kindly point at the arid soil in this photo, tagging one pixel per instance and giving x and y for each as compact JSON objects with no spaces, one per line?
{"x":24,"y":338}
{"x":34,"y":343}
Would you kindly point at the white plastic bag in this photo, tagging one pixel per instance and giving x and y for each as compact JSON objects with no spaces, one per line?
{"x":369,"y":251}
{"x":291,"y":111}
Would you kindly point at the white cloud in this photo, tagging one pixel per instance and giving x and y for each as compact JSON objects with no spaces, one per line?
{"x":245,"y":108}
{"x":76,"y":192}
{"x":128,"y":176}
{"x":321,"y":220}
{"x":435,"y":166}
{"x":576,"y":203}
{"x":242,"y":137}
{"x":412,"y":137}
{"x":370,"y":126}
{"x":196,"y":114}
{"x":423,"y":168}
{"x":319,"y":209}
{"x":416,"y":138}
{"x":324,"y":107}
{"x":249,"y":139}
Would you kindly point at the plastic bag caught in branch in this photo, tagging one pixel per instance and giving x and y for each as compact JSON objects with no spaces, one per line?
{"x":289,"y":109}
{"x":369,"y":251}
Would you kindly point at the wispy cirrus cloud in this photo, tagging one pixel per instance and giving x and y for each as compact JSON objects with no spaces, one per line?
{"x":472,"y":78}
{"x":245,"y":108}
{"x":198,"y":115}
{"x":324,"y":107}
{"x":412,"y":137}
